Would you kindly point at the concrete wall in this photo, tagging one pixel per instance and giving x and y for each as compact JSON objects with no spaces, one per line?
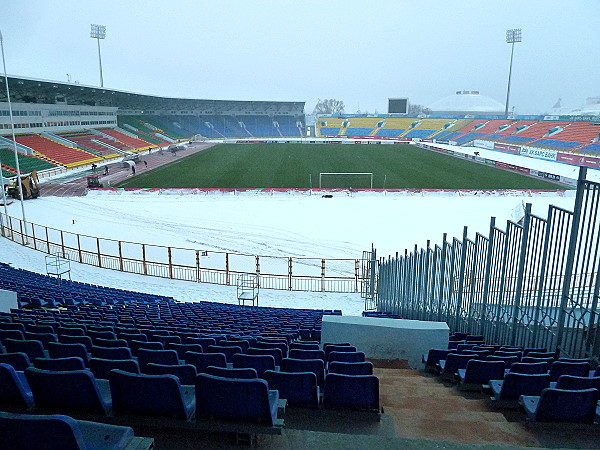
{"x":8,"y":300}
{"x":386,"y":338}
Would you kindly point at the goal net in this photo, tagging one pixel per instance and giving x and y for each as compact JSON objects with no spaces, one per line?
{"x":346,"y":180}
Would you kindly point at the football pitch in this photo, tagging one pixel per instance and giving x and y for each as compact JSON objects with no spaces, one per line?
{"x":299,"y":166}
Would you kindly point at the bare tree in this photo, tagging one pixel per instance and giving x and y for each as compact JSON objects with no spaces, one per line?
{"x":329,"y":106}
{"x":414,"y":109}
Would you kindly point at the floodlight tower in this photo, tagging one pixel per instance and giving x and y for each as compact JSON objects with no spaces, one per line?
{"x":512,"y":36}
{"x":12,"y":127}
{"x":99,"y":32}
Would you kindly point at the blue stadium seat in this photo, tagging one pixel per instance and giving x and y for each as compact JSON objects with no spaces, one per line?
{"x":561,"y":405}
{"x":67,"y":390}
{"x":298,"y":388}
{"x":33,"y":349}
{"x":316,"y":366}
{"x":506,"y":392}
{"x":359,"y":392}
{"x":530,"y":368}
{"x":479,"y":373}
{"x":228,"y":351}
{"x":244,"y":345}
{"x":70,"y":339}
{"x":336,"y":356}
{"x":181,"y":349}
{"x":260,"y":363}
{"x":150,"y":395}
{"x":303,"y":346}
{"x":185,"y":372}
{"x":60,"y":364}
{"x":59,"y":350}
{"x":101,"y":367}
{"x":19,"y":360}
{"x":145,"y":357}
{"x":111,"y":352}
{"x":245,"y":373}
{"x":202,"y":360}
{"x":433,"y":357}
{"x":571,"y":382}
{"x":58,"y":432}
{"x":14,"y":391}
{"x":275,"y":352}
{"x":351,"y":368}
{"x":307,"y":354}
{"x":136,"y":346}
{"x":236,"y":399}
{"x":559,"y":368}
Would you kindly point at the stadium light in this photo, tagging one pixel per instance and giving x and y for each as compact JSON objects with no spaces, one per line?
{"x":512,"y":36}
{"x":12,"y":127}
{"x":99,"y":32}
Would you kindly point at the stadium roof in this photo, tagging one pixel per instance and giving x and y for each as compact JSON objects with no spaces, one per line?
{"x":31,"y":90}
{"x":467,"y":102}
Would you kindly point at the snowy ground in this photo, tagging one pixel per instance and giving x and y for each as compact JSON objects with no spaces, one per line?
{"x":278,"y":225}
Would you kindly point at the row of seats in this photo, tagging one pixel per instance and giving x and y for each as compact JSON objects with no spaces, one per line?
{"x":513,"y":373}
{"x":94,"y":143}
{"x":559,"y":135}
{"x":53,"y":151}
{"x":36,"y":290}
{"x":27,"y":163}
{"x":60,"y":432}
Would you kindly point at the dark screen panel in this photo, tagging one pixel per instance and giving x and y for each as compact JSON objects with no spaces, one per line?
{"x":397,"y":106}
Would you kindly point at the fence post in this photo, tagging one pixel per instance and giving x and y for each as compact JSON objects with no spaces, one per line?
{"x":33,"y":236}
{"x":170,"y":262}
{"x":62,"y":243}
{"x":98,"y":252}
{"x":461,"y":279}
{"x":520,"y":274}
{"x":79,"y":248}
{"x":322,"y":275}
{"x":144,"y":259}
{"x":290,"y":267}
{"x":227,"y":269}
{"x":47,"y":241}
{"x":356,"y":274}
{"x":441,"y":277}
{"x":198,"y":272}
{"x":486,"y":278}
{"x":570,"y":256}
{"x":120,"y":257}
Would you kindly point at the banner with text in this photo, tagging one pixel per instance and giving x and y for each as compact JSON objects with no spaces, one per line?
{"x":540,"y":153}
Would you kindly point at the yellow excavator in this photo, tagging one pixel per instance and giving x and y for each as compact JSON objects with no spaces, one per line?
{"x":29,"y":184}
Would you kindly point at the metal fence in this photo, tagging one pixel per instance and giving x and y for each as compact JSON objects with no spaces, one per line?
{"x":535,"y":284}
{"x":207,"y":266}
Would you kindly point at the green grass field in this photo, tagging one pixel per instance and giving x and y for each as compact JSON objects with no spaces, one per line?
{"x":293,"y":165}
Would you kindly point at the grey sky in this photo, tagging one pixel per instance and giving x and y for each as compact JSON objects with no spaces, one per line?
{"x":357,"y":51}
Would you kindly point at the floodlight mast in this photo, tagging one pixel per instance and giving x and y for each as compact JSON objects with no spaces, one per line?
{"x":12,"y":127}
{"x":99,"y":32}
{"x":512,"y":36}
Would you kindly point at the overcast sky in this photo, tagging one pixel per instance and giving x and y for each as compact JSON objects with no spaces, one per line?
{"x":357,"y":51}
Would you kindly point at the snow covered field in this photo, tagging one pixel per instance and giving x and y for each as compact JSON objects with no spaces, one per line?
{"x":279,"y":225}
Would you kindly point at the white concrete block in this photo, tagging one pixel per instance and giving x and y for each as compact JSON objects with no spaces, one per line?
{"x":382,"y":338}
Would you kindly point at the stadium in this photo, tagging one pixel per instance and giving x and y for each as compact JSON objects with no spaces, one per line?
{"x":182,"y":272}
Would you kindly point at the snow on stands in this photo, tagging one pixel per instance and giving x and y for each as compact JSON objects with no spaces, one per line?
{"x":262,"y":222}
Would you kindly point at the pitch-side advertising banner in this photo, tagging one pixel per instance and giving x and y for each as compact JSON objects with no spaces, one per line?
{"x":488,"y":145}
{"x":541,"y":153}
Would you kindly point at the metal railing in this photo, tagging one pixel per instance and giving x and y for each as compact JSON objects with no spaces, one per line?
{"x":202,"y":266}
{"x":534,"y":284}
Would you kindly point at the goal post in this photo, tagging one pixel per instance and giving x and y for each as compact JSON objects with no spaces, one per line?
{"x":346,"y":179}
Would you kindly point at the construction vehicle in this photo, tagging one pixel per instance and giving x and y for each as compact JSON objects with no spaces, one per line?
{"x":29,"y":185}
{"x":93,"y":181}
